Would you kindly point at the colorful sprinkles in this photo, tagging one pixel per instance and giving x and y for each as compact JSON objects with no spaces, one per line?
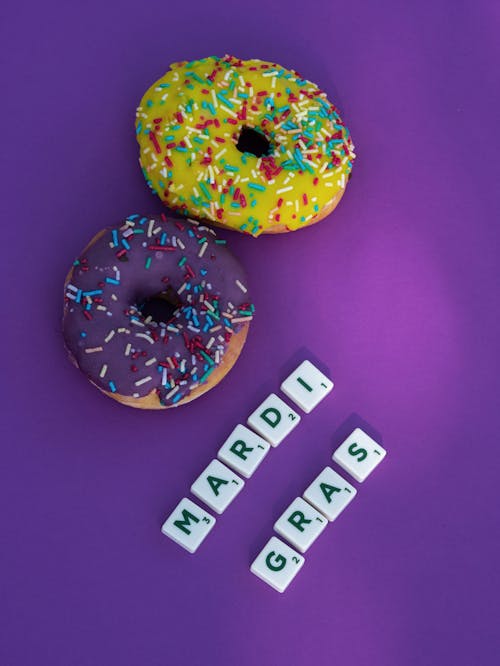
{"x":188,"y":126}
{"x":126,"y":352}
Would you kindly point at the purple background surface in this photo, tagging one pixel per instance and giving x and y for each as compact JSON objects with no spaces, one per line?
{"x":396,"y":296}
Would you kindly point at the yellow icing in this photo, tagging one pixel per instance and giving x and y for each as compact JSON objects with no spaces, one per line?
{"x":195,"y":166}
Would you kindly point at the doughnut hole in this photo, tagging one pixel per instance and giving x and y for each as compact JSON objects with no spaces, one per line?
{"x":161,"y":307}
{"x":252,"y":141}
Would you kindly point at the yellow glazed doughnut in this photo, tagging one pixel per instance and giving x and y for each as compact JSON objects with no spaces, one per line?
{"x":249,"y":145}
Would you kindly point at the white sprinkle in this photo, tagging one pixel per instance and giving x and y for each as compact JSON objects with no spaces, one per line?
{"x":103,"y":370}
{"x":203,"y":248}
{"x":139,"y":382}
{"x":91,"y":350}
{"x":172,"y":392}
{"x":145,"y":336}
{"x":127,"y":349}
{"x":109,"y":335}
{"x":284,"y":189}
{"x":241,"y":286}
{"x":151,"y":361}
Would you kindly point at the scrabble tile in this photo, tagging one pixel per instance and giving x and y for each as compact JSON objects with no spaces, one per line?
{"x":277,"y":564}
{"x":359,"y":454}
{"x":307,"y":386}
{"x":273,"y":419}
{"x":188,"y":525}
{"x":217,"y":486}
{"x":243,"y":450}
{"x":330,"y":493}
{"x":300,"y":524}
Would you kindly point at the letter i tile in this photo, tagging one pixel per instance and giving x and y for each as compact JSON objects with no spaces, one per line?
{"x":307,"y":386}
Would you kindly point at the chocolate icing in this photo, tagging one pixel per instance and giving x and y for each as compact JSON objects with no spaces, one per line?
{"x":126,"y":353}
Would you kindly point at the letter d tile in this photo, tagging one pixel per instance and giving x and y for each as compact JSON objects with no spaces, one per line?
{"x":273,"y":419}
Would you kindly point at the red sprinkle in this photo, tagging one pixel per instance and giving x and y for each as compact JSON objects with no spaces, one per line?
{"x":154,"y":141}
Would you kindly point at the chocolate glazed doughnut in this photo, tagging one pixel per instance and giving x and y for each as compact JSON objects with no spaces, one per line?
{"x":156,"y":311}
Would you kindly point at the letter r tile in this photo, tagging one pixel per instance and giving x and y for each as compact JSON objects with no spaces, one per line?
{"x":243,"y":450}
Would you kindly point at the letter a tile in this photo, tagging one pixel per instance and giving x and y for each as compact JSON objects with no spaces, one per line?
{"x":217,"y":486}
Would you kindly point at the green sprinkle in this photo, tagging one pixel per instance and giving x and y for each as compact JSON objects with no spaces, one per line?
{"x":205,"y":191}
{"x":182,"y":261}
{"x":207,"y":373}
{"x":225,"y":101}
{"x":196,"y":77}
{"x":148,"y":262}
{"x":206,"y":357}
